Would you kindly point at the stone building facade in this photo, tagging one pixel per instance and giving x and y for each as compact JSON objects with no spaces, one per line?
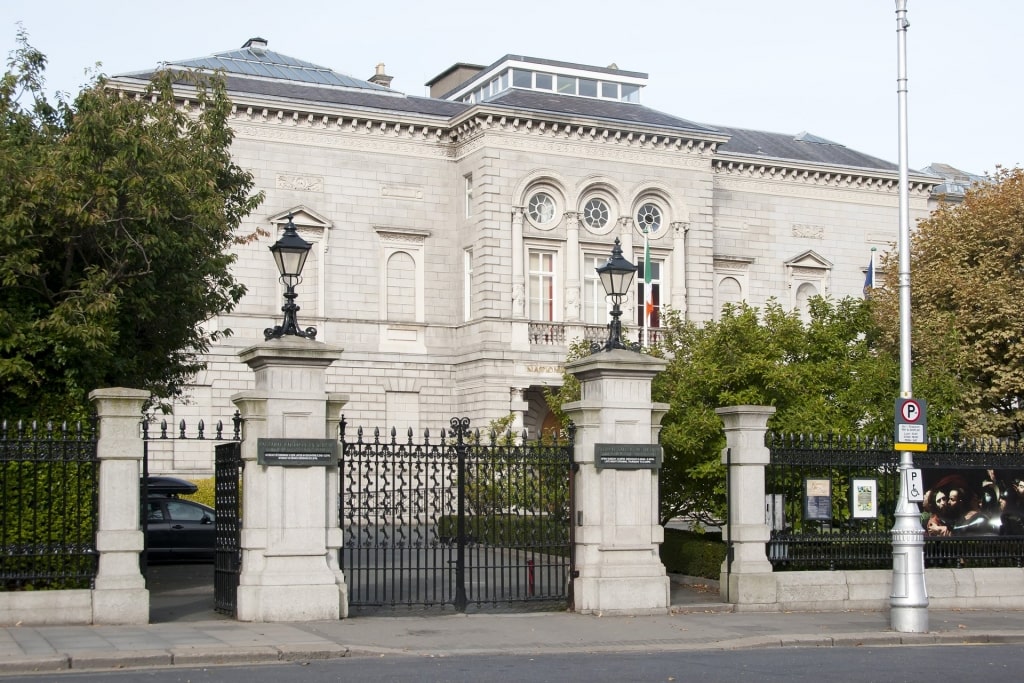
{"x":455,"y":235}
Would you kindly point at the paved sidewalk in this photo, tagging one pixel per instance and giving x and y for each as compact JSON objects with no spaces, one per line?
{"x":696,"y":623}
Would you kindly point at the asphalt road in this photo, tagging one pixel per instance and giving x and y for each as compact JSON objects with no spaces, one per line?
{"x":912,"y":664}
{"x":181,"y":592}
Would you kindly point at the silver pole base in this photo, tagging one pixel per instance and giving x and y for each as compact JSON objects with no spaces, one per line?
{"x":909,"y":619}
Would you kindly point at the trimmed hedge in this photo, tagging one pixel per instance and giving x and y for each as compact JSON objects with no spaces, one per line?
{"x":693,"y":554}
{"x":205,"y":494}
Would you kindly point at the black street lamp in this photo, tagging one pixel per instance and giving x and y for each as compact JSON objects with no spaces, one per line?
{"x":616,"y":278}
{"x":290,"y":254}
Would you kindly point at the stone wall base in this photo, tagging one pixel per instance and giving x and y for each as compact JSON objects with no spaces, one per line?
{"x":824,"y":591}
{"x":290,"y":603}
{"x":45,"y":608}
{"x":74,"y":607}
{"x":622,"y":596}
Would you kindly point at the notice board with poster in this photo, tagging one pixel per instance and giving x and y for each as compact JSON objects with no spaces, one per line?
{"x":818,"y":500}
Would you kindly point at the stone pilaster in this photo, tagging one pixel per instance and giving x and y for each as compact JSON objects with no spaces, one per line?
{"x":291,"y":534}
{"x":746,"y":577}
{"x":119,"y":595}
{"x":679,"y":230}
{"x":518,"y":266}
{"x":617,"y":533}
{"x":572,"y":267}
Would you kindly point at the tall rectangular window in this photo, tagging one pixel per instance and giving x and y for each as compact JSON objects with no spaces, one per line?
{"x":595,"y":302}
{"x":467,"y":285}
{"x":656,"y":266}
{"x":468,"y":178}
{"x":542,"y":285}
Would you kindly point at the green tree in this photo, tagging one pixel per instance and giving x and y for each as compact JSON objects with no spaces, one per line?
{"x":822,"y":376}
{"x":966,"y":308}
{"x":117,"y":217}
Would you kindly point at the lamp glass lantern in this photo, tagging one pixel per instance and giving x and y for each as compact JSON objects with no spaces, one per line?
{"x":616,"y":277}
{"x":290,"y":253}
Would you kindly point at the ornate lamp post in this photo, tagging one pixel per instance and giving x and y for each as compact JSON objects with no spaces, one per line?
{"x":290,"y":254}
{"x":616,"y":278}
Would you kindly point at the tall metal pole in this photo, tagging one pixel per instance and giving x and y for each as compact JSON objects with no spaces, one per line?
{"x":908,"y":601}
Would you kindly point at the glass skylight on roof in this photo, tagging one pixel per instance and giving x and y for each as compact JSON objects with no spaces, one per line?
{"x":599,"y":87}
{"x":269,"y":64}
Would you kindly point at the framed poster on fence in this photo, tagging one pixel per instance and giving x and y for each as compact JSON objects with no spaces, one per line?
{"x":818,"y":499}
{"x":864,"y":498}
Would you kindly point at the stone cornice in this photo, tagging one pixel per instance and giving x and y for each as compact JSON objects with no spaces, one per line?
{"x":472,"y":124}
{"x":593,"y":149}
{"x":817,"y":175}
{"x":314,"y":115}
{"x":457,"y":136}
{"x":459,"y":131}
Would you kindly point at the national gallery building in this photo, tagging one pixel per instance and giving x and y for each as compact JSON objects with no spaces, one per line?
{"x":455,"y":236}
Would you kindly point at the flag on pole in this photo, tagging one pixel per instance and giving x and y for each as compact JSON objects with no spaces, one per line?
{"x":869,"y":279}
{"x":648,"y":294}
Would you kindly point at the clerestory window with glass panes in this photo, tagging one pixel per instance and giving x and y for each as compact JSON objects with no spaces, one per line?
{"x":542,"y":285}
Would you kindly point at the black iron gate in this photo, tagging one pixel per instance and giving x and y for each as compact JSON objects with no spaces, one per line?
{"x":227,"y":556}
{"x":457,"y":521}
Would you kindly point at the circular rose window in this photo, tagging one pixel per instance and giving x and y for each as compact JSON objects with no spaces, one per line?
{"x":541,"y":208}
{"x":648,"y":218}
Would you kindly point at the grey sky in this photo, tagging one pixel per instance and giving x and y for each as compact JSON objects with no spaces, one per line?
{"x":825,"y":66}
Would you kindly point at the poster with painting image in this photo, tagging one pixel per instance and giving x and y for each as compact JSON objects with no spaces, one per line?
{"x":973,"y":502}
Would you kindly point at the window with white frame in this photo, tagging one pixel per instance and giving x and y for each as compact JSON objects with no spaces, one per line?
{"x":595,"y":301}
{"x":649,"y":218}
{"x":596,"y":213}
{"x":467,"y":285}
{"x":541,"y":285}
{"x":657,"y":266}
{"x":468,"y":178}
{"x":541,"y":209}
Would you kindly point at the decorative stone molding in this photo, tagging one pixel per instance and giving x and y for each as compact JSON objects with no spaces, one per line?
{"x":401,"y":236}
{"x":301,"y":183}
{"x":732,"y":264}
{"x":814,"y":232}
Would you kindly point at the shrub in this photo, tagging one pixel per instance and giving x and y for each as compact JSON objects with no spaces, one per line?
{"x":205,"y":494}
{"x":693,"y":554}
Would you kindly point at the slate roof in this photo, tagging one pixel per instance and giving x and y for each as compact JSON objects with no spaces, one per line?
{"x":609,"y":110}
{"x":265,"y":73}
{"x":800,"y":147}
{"x":260,"y":62}
{"x":378,"y":100}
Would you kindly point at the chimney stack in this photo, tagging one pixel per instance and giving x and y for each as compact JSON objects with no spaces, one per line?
{"x":381,"y":78}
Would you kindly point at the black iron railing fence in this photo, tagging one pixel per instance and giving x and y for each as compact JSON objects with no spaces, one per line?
{"x":462,"y":520}
{"x":48,"y":505}
{"x":830,"y":502}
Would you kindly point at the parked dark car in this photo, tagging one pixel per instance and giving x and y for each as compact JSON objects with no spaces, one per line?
{"x":177,"y":529}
